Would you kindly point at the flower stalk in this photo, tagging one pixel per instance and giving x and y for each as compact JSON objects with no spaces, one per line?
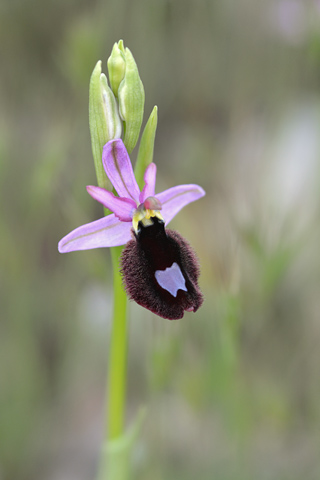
{"x":117,"y":368}
{"x":157,"y":266}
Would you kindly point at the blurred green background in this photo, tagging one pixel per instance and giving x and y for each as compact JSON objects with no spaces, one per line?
{"x":233,"y":392}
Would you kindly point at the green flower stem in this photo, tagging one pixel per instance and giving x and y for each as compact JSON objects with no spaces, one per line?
{"x":117,"y":370}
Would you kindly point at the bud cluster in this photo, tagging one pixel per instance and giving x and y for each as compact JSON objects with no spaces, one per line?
{"x":117,"y":109}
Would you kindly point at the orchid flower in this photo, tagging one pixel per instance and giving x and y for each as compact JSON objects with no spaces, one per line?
{"x":160,"y":270}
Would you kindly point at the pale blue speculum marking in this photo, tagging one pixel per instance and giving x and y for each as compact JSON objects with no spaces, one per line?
{"x":171,"y":279}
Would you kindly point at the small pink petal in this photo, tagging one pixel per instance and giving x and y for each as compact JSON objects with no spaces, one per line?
{"x":123,"y":208}
{"x":106,"y":232}
{"x":150,"y":182}
{"x":118,"y":168}
{"x":175,"y":198}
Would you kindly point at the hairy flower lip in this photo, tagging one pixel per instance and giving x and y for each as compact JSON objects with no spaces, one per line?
{"x":160,"y":272}
{"x":115,"y":229}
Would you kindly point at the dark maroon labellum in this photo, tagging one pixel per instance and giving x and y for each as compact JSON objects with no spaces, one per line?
{"x":160,"y":271}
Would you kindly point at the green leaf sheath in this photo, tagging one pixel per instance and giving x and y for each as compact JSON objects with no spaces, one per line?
{"x":145,"y":153}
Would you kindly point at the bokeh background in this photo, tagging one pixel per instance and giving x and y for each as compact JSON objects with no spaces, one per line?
{"x":233,"y":392}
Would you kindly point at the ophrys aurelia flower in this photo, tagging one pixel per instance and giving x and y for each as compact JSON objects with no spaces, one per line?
{"x":160,"y":270}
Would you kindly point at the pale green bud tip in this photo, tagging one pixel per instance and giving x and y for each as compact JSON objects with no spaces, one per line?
{"x":116,"y":66}
{"x":121,"y":45}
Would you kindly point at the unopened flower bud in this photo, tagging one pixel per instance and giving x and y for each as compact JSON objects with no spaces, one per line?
{"x":116,"y":66}
{"x":131,"y":102}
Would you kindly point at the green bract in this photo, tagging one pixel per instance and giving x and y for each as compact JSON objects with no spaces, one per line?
{"x":145,"y":153}
{"x":104,"y":120}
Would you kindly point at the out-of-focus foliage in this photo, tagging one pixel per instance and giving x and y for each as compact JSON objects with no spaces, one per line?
{"x":233,"y":391}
